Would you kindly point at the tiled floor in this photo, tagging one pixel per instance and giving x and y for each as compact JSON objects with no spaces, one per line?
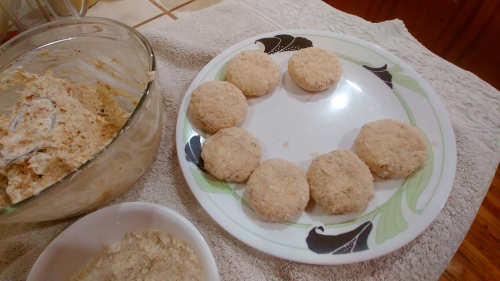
{"x":130,"y":12}
{"x":147,"y":14}
{"x":193,"y":7}
{"x":162,"y":20}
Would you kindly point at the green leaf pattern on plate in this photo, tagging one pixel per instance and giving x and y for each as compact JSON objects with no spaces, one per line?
{"x":261,"y":47}
{"x":405,"y":106}
{"x":397,"y":77}
{"x":215,"y":186}
{"x":418,"y":182}
{"x":405,"y":81}
{"x":187,"y":131}
{"x":358,"y":62}
{"x":221,"y":74}
{"x":391,"y":221}
{"x":209,"y":185}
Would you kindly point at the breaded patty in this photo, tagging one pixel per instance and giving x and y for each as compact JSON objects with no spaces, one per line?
{"x":231,"y":154}
{"x":340,"y":182}
{"x":254,"y":73}
{"x":391,"y":148}
{"x":314,"y":69}
{"x":277,"y":190}
{"x":215,"y":105}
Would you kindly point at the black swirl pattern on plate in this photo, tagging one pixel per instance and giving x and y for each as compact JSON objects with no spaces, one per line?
{"x":381,"y":73}
{"x":283,"y":43}
{"x":349,"y":242}
{"x":193,"y":151}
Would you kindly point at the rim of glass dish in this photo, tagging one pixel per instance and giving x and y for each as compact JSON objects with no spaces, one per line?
{"x":67,"y":22}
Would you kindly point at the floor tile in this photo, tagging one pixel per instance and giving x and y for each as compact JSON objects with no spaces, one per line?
{"x":194,"y":7}
{"x":161,"y":21}
{"x":170,"y":4}
{"x":130,"y":12}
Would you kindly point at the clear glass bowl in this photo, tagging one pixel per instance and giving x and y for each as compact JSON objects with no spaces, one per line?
{"x":74,"y":45}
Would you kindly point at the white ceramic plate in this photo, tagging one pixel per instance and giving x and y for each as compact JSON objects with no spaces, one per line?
{"x":297,"y":126}
{"x":71,"y":250}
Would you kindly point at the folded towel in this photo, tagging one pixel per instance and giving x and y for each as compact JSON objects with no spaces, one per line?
{"x":184,"y":47}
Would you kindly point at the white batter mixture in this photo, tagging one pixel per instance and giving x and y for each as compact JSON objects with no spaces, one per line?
{"x":55,"y":127}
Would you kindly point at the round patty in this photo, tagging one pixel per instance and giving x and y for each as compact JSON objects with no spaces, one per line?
{"x":215,"y":105}
{"x":254,"y":73}
{"x":340,"y":182}
{"x":231,"y":154}
{"x":277,"y":190}
{"x":391,"y":148}
{"x":314,"y":69}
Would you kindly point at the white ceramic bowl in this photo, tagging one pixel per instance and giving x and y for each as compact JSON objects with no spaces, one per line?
{"x":79,"y":243}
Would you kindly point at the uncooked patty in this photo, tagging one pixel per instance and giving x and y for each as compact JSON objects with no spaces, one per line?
{"x":391,"y":148}
{"x":314,"y":69}
{"x":231,"y":154}
{"x":254,"y":73}
{"x":277,"y":190}
{"x":340,"y":182}
{"x":215,"y":105}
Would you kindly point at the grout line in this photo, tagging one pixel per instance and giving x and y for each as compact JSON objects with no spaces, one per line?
{"x":163,"y":9}
{"x":149,"y":20}
{"x":182,"y":5}
{"x":158,"y":6}
{"x":171,"y":15}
